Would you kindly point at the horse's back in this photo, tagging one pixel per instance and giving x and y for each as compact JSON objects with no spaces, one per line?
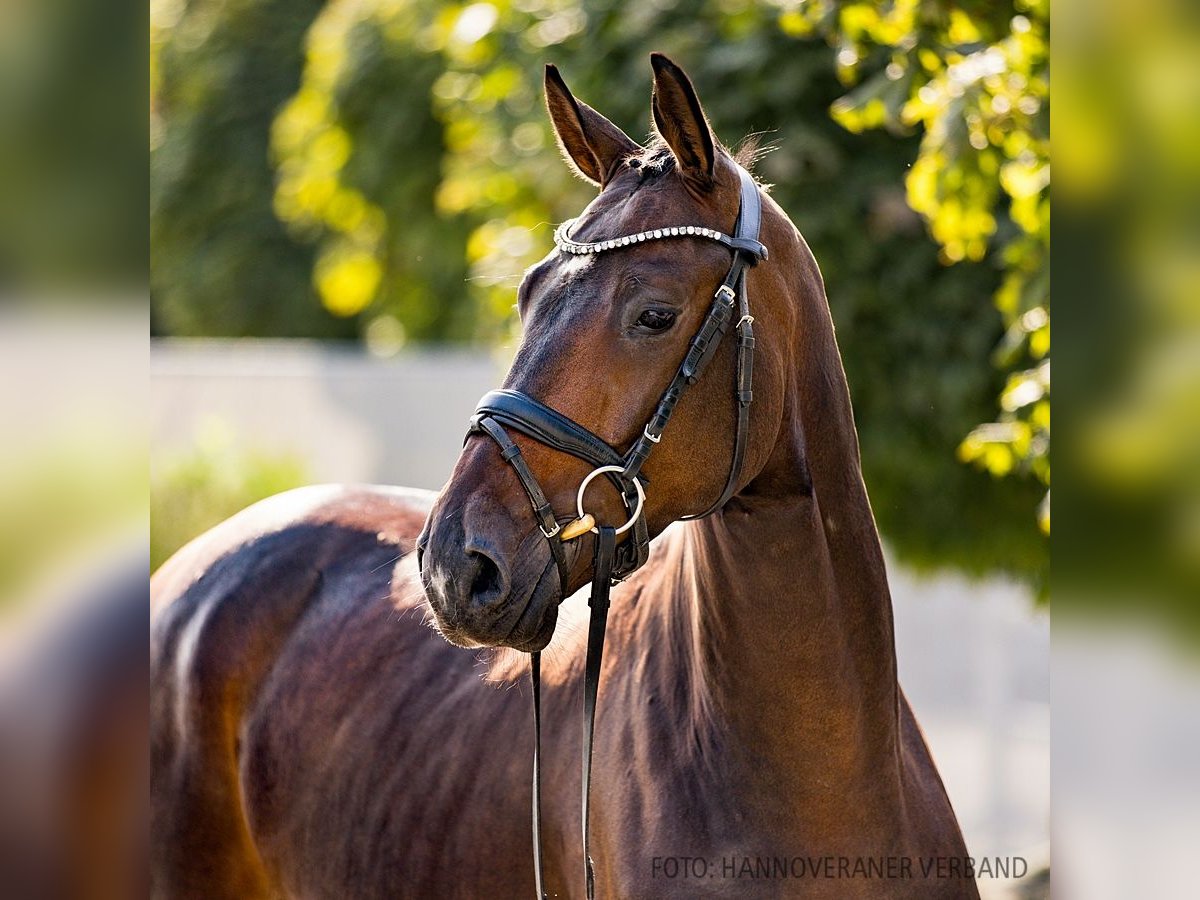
{"x":394,"y":515}
{"x":304,"y":715}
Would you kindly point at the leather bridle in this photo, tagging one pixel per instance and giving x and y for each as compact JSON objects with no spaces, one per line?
{"x":509,"y":409}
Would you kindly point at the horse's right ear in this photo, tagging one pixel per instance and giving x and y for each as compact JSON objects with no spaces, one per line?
{"x":592,"y":145}
{"x":680,"y":121}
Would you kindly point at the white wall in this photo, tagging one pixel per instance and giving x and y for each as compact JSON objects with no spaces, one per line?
{"x":353,"y":417}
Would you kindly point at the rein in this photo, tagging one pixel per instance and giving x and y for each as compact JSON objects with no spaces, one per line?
{"x":502,"y":409}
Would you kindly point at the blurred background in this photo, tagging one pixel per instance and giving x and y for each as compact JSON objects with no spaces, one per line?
{"x":342,"y":197}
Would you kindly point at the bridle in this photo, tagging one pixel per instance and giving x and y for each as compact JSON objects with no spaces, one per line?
{"x":502,"y":409}
{"x":508,"y":409}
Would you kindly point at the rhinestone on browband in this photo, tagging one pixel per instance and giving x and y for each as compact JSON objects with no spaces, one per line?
{"x":563,"y":241}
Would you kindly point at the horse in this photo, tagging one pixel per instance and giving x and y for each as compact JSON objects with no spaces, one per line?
{"x":313,"y":736}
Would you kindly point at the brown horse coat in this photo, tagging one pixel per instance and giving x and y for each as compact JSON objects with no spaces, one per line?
{"x":313,"y":737}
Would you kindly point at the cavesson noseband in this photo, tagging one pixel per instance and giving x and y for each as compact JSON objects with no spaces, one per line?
{"x":509,"y":409}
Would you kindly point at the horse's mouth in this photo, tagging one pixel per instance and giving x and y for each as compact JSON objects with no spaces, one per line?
{"x":534,"y":627}
{"x":524,"y":639}
{"x":541,"y":635}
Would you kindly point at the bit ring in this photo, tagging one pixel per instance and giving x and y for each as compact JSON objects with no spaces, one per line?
{"x":637,"y":510}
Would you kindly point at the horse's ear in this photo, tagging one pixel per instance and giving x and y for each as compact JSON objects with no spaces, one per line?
{"x":680,"y":120}
{"x":593,"y":145}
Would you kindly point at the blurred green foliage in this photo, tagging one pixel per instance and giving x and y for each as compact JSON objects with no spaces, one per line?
{"x":362,"y":185}
{"x":223,"y":264}
{"x":1130,"y":194}
{"x":72,"y":150}
{"x":414,"y":165}
{"x":975,"y":79}
{"x":192,"y":491}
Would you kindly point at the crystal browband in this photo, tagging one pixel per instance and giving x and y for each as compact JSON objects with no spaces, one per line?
{"x":564,"y":242}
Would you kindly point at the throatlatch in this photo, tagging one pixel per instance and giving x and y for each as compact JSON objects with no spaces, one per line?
{"x":502,"y":409}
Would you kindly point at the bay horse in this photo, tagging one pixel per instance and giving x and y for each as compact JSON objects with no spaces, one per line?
{"x":314,"y":738}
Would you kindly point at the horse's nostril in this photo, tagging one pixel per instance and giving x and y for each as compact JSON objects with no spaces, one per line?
{"x":488,"y":583}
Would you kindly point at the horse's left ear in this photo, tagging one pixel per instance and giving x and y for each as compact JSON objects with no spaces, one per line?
{"x":680,"y":120}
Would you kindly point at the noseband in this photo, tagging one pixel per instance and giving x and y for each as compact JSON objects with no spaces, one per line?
{"x":509,"y":409}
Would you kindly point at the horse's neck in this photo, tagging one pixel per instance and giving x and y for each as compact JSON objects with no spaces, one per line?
{"x":791,"y":615}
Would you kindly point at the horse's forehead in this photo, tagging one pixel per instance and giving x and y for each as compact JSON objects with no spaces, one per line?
{"x":628,"y":206}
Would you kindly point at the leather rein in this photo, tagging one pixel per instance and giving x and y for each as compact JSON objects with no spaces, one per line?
{"x":509,"y":409}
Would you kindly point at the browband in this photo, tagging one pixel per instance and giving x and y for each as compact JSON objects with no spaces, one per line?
{"x":564,"y":241}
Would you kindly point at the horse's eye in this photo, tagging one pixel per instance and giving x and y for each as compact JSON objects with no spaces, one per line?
{"x":656,"y":319}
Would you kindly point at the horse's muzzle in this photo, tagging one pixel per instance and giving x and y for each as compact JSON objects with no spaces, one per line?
{"x":489,"y":582}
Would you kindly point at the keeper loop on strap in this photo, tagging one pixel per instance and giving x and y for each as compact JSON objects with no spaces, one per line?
{"x":705,"y":343}
{"x":750,"y":249}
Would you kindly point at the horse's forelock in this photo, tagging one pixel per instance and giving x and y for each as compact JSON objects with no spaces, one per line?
{"x":656,"y":159}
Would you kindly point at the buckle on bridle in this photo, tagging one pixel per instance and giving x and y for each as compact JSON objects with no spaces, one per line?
{"x":652,"y":438}
{"x":726,"y":293}
{"x":549,"y":534}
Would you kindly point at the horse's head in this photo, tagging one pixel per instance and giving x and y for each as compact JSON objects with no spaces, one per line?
{"x":604,"y":334}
